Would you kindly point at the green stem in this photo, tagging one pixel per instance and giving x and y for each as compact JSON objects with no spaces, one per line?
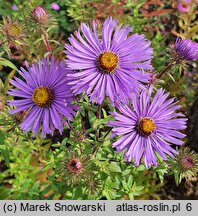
{"x":95,"y":147}
{"x":113,"y":160}
{"x":107,"y":133}
{"x":98,"y":117}
{"x":169,"y":66}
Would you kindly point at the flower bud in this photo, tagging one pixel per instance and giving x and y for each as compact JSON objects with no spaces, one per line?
{"x":55,"y":6}
{"x":184,"y":165}
{"x":75,"y":168}
{"x":186,"y":49}
{"x":40,"y":15}
{"x":187,"y":162}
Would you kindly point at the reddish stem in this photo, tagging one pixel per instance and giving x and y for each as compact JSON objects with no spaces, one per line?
{"x":46,"y":40}
{"x":165,"y":70}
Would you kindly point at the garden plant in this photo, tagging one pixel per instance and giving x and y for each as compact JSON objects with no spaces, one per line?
{"x":98,"y":99}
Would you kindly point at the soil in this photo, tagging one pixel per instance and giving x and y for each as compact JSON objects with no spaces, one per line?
{"x":184,"y":191}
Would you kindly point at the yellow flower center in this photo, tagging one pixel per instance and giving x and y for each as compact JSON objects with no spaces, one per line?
{"x":42,"y":96}
{"x":107,"y":62}
{"x":185,"y":5}
{"x":15,"y":30}
{"x":146,"y":126}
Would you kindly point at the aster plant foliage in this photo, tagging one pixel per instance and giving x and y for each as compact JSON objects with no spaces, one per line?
{"x":45,"y":95}
{"x":148,"y":127}
{"x":114,"y":65}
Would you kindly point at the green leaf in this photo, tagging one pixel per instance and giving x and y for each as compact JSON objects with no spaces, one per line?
{"x":2,"y":137}
{"x":54,"y":187}
{"x":78,"y":124}
{"x":4,"y":193}
{"x":4,"y":150}
{"x":177,"y":177}
{"x":37,"y":41}
{"x":131,"y":196}
{"x":171,"y":77}
{"x":7,"y":63}
{"x":104,"y":113}
{"x":47,"y":54}
{"x":114,"y":167}
{"x":36,"y":185}
{"x":58,"y":49}
{"x":161,"y":170}
{"x":140,"y":168}
{"x":92,"y":117}
{"x":47,"y":167}
{"x":130,"y":181}
{"x":10,"y":76}
{"x":105,"y":120}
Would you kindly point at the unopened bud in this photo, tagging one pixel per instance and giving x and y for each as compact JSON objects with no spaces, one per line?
{"x":187,"y":162}
{"x":186,"y":49}
{"x":40,"y":15}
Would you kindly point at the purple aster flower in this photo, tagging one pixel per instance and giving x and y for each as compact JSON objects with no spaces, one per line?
{"x":112,"y":64}
{"x":148,"y":128}
{"x":186,"y":49}
{"x":46,"y":96}
{"x":55,"y":6}
{"x":184,"y":6}
{"x":14,"y":8}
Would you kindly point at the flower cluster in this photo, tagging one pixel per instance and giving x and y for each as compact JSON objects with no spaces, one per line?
{"x":103,"y":64}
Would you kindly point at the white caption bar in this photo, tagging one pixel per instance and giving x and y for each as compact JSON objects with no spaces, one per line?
{"x":114,"y":208}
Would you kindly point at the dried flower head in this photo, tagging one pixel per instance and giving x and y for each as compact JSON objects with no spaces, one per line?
{"x":13,"y":32}
{"x":75,"y":168}
{"x":185,"y":164}
{"x":79,"y":137}
{"x":93,"y":186}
